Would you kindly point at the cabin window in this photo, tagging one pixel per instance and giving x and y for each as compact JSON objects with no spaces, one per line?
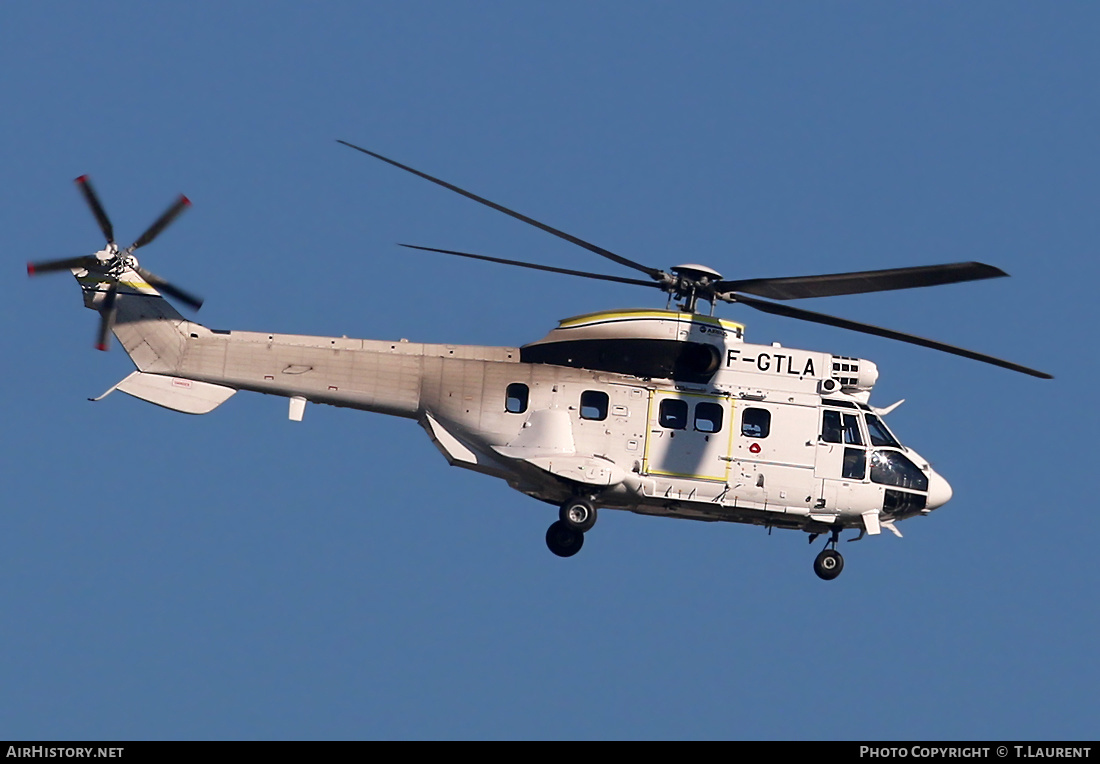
{"x":830,"y":426}
{"x":673,"y":414}
{"x":894,"y":468}
{"x":594,"y":405}
{"x":756,"y":423}
{"x":855,"y":464}
{"x":708,"y":417}
{"x":515,"y":399}
{"x":880,"y":436}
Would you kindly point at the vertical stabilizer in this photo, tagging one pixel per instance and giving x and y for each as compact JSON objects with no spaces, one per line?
{"x":150,"y":330}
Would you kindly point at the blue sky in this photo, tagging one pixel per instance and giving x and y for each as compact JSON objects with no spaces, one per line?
{"x":240,"y":576}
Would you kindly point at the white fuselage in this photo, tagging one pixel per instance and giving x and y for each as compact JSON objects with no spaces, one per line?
{"x":734,"y":431}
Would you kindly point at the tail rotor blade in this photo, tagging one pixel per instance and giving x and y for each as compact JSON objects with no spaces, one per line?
{"x":66,"y":264}
{"x":107,"y":318}
{"x":162,"y":222}
{"x":170,"y":289}
{"x":89,"y":193}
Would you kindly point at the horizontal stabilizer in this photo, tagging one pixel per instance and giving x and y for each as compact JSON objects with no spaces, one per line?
{"x":185,"y":395}
{"x":455,"y":451}
{"x":458,"y":453}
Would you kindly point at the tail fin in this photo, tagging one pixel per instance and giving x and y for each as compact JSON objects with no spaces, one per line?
{"x":150,"y":330}
{"x":154,"y":335}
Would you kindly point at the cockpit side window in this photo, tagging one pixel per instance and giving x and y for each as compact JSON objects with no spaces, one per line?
{"x":837,"y":427}
{"x":673,"y":414}
{"x":516,"y":397}
{"x":852,"y":435}
{"x":855,"y":463}
{"x":830,"y":426}
{"x":880,"y":436}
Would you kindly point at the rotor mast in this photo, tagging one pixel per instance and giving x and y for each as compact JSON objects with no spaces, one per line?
{"x":694,"y":282}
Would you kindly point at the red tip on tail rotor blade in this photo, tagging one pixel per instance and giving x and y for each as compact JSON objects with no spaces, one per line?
{"x":64,"y":264}
{"x":100,"y":346}
{"x":90,"y":196}
{"x":161,"y":223}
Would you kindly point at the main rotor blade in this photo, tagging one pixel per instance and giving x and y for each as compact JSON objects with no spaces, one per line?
{"x":550,"y":268}
{"x":66,"y":264}
{"x":830,"y":284}
{"x":107,"y":318}
{"x":90,"y":196}
{"x":169,"y":288}
{"x":653,"y":273}
{"x":162,"y":222}
{"x":843,"y":323}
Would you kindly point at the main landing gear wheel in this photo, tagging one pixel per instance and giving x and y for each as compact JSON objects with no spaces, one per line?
{"x":828,"y":564}
{"x":578,"y":514}
{"x":563,"y":540}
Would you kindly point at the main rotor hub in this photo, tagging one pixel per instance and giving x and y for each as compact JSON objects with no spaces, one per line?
{"x":691,"y":283}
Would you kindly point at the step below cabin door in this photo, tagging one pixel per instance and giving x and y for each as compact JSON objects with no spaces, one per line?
{"x":689,"y":435}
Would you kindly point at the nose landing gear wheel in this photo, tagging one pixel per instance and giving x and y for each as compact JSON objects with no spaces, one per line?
{"x":563,"y":540}
{"x":828,"y":564}
{"x":578,"y":514}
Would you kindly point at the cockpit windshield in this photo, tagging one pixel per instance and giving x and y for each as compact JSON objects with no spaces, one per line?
{"x":880,"y":436}
{"x":894,"y":468}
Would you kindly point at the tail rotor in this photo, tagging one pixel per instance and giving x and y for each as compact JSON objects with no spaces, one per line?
{"x":113,"y":271}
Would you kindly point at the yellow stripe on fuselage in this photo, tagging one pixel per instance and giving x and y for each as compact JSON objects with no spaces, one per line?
{"x":100,"y":280}
{"x":639,"y":314}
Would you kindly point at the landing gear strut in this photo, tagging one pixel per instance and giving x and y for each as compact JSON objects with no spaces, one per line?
{"x":829,"y":563}
{"x":575,"y":518}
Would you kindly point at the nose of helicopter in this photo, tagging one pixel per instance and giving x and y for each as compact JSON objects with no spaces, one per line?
{"x":939,"y":490}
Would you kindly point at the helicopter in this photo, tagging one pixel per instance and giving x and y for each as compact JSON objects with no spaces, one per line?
{"x":665,"y":412}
